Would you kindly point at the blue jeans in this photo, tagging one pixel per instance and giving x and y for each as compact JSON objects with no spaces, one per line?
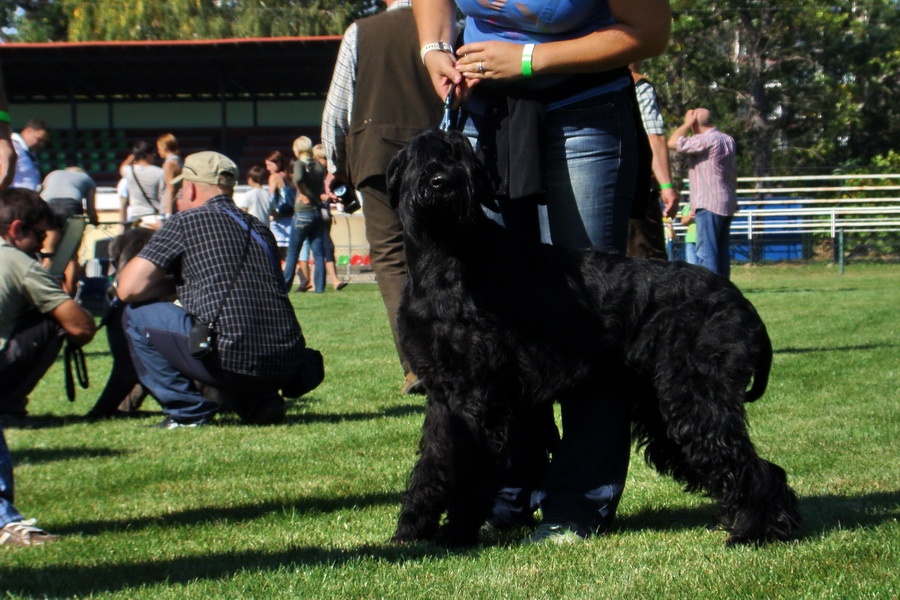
{"x":8,"y":512}
{"x":690,"y":253}
{"x":158,"y":339}
{"x":306,"y":225}
{"x":592,"y":162}
{"x":713,"y":241}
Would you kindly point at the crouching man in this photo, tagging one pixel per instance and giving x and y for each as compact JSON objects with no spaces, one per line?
{"x":233,"y":339}
{"x":36,"y":316}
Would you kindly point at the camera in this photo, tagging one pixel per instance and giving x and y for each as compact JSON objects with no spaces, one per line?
{"x":348,"y":200}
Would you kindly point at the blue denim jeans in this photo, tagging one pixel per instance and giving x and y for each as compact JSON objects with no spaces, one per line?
{"x":592,"y":162}
{"x":713,"y":241}
{"x":690,"y":253}
{"x":158,"y":339}
{"x":8,"y":512}
{"x":306,"y":226}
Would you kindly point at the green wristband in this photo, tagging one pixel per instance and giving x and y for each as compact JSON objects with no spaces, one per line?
{"x":4,"y":116}
{"x":665,"y":186}
{"x":527,"y":53}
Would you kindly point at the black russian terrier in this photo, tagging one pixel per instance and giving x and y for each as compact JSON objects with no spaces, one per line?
{"x":495,"y":325}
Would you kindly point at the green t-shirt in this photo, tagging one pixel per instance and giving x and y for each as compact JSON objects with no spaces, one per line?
{"x":25,"y":286}
{"x":690,"y":236}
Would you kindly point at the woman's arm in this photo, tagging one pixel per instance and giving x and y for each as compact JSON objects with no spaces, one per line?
{"x":435,"y":20}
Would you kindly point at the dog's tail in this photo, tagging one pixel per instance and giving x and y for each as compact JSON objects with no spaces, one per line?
{"x":763,"y":366}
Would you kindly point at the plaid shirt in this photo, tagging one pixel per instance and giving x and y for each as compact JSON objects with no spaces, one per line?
{"x":650,"y":113}
{"x":339,"y":103}
{"x":713,"y":171}
{"x":257,"y":332}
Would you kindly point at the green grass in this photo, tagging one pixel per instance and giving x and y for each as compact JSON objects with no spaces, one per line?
{"x":305,"y":509}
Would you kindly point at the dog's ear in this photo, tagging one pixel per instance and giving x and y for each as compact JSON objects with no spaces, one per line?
{"x":394,"y":176}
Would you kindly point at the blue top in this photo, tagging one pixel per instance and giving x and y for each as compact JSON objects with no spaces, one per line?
{"x":533,"y":21}
{"x":538,"y":21}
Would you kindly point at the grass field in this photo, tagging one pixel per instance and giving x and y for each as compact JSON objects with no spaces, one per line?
{"x":304,"y":510}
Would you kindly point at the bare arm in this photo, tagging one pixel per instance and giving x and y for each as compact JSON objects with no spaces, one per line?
{"x":682,"y":130}
{"x":141,"y":280}
{"x":77,"y":322}
{"x":91,"y":201}
{"x":171,"y":170}
{"x":663,"y":173}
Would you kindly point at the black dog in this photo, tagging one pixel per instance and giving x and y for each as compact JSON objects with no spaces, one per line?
{"x":495,"y":325}
{"x":123,"y":392}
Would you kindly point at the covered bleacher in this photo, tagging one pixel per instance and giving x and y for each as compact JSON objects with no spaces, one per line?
{"x":244,"y":97}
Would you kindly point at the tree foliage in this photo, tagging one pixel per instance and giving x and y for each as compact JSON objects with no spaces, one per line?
{"x":86,"y":20}
{"x":806,"y":84}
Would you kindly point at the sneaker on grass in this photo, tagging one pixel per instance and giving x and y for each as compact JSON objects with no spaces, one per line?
{"x":551,"y":533}
{"x":24,"y":533}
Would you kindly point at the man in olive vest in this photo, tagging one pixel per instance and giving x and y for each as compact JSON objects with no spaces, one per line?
{"x":380,"y":57}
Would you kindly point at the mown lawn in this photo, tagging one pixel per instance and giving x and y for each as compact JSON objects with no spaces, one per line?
{"x":305,"y":509}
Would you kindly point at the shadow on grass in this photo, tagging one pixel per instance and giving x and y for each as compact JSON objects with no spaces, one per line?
{"x":36,"y":456}
{"x":393,"y":412}
{"x":836,"y":349}
{"x":823,"y":514}
{"x":230,"y":514}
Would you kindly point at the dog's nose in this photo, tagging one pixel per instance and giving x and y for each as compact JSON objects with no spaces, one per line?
{"x":439,"y":181}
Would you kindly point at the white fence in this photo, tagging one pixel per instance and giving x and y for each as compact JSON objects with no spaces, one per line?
{"x":775,"y":212}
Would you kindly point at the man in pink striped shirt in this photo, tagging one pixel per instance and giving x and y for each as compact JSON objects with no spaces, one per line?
{"x":712,"y":178}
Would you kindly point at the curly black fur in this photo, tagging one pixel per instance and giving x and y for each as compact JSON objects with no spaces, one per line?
{"x":494,"y":324}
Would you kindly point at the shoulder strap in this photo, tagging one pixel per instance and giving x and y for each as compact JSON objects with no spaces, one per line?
{"x":234,"y":276}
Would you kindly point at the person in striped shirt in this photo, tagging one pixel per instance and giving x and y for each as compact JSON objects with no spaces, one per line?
{"x":712,"y":177}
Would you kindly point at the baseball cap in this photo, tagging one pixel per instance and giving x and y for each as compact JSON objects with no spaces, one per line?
{"x":209,"y":167}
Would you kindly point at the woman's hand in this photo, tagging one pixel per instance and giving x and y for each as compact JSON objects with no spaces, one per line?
{"x":444,"y":75}
{"x":490,"y":60}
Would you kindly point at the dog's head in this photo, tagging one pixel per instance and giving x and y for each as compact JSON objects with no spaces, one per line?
{"x":438,"y":184}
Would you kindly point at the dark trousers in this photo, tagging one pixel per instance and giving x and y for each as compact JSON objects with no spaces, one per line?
{"x":646,"y":237}
{"x":385,"y":236}
{"x":32,"y":348}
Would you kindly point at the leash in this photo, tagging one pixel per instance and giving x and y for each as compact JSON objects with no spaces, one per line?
{"x":446,"y":122}
{"x":74,"y":358}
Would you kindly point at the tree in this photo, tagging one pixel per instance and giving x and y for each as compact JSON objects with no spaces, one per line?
{"x":86,"y":20}
{"x":806,"y":84}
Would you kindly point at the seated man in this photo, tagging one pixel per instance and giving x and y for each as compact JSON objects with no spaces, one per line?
{"x":35,"y":317}
{"x":224,"y":268}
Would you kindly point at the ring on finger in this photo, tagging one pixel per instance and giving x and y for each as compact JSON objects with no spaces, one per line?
{"x":481,"y":67}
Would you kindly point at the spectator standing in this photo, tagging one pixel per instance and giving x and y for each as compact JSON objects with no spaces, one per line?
{"x":35,"y":318}
{"x":146,"y":186}
{"x":34,"y":136}
{"x":167,"y":148}
{"x":223,"y":267}
{"x":306,"y":230}
{"x":279,"y":188}
{"x":256,"y":200}
{"x":387,"y":112}
{"x":646,"y":237}
{"x":690,"y":235}
{"x":713,"y":180}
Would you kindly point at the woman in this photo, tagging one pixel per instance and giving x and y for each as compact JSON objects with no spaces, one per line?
{"x":305,"y":224}
{"x":167,"y":148}
{"x":278,"y":187}
{"x":556,"y":79}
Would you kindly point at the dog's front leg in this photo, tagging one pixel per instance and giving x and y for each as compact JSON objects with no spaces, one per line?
{"x":426,"y":493}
